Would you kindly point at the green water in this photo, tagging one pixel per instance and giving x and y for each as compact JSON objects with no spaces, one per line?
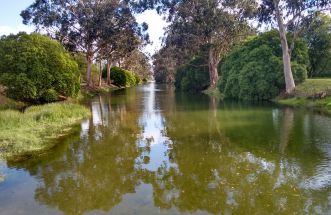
{"x":149,"y":150}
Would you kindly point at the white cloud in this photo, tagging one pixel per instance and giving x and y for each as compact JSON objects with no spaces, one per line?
{"x":6,"y":30}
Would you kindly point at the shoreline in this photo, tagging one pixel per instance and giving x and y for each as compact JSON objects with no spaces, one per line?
{"x":318,"y":105}
{"x":35,"y":131}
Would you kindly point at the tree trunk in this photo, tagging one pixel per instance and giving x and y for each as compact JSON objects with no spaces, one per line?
{"x":213,"y":60}
{"x":89,"y":70}
{"x":100,"y":74}
{"x":108,"y":72}
{"x":289,"y":81}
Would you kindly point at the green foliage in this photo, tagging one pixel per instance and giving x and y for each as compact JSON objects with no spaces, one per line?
{"x":82,"y":66}
{"x":137,"y":79}
{"x":194,"y":24}
{"x":193,"y":76}
{"x":123,"y":78}
{"x":254,"y":70}
{"x":33,"y":131}
{"x":318,"y":38}
{"x":34,"y":68}
{"x":117,"y":32}
{"x":81,"y":62}
{"x":138,"y":62}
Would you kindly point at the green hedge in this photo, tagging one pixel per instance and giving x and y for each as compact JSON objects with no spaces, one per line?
{"x":254,"y":71}
{"x":37,"y":69}
{"x":123,"y":78}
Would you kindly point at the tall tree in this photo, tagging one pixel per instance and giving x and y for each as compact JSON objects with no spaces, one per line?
{"x":213,"y":23}
{"x":81,"y":24}
{"x":121,"y":34}
{"x":288,"y":13}
{"x":138,"y":62}
{"x":74,"y":23}
{"x":165,"y":63}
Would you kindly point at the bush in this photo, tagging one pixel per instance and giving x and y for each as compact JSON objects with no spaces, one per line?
{"x":123,"y":78}
{"x":254,"y":71}
{"x":36,"y":69}
{"x":194,"y":76}
{"x":137,"y":79}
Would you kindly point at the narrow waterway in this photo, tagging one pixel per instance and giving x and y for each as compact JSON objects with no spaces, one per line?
{"x":149,"y":150}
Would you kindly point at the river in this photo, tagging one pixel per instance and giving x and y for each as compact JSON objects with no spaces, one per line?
{"x":150,"y":150}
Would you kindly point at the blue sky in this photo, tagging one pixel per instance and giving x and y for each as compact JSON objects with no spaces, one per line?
{"x":11,"y":21}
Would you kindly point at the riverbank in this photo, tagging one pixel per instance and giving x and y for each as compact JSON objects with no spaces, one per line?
{"x":89,"y":92}
{"x":313,"y":94}
{"x":27,"y":134}
{"x":6,"y":103}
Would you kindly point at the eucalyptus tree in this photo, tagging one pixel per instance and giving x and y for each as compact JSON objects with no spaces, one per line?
{"x":289,"y":14}
{"x":82,"y":24}
{"x":175,"y":51}
{"x":165,"y":63}
{"x":138,"y":62}
{"x":121,"y":34}
{"x":217,"y":24}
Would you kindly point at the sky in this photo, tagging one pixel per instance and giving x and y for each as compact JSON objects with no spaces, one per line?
{"x":11,"y":22}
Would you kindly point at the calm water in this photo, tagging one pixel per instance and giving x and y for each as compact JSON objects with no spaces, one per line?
{"x":147,"y":150}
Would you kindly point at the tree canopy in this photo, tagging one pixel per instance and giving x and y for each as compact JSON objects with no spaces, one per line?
{"x":215,"y":24}
{"x":289,"y":14}
{"x":95,"y":28}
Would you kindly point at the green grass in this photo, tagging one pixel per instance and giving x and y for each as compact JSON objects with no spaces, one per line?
{"x":34,"y":131}
{"x":313,"y":93}
{"x":312,"y":87}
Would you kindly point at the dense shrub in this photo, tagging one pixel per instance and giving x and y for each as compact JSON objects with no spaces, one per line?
{"x":34,"y":68}
{"x":194,"y":76}
{"x":123,"y":78}
{"x":137,"y":79}
{"x":254,"y":71}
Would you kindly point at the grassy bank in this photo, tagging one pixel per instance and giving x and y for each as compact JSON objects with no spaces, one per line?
{"x":26,"y":134}
{"x":313,"y":94}
{"x":89,"y":92}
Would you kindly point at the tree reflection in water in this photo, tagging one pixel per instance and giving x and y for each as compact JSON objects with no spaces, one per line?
{"x":190,"y":154}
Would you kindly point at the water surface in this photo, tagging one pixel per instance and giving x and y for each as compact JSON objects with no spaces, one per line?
{"x":149,"y":150}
